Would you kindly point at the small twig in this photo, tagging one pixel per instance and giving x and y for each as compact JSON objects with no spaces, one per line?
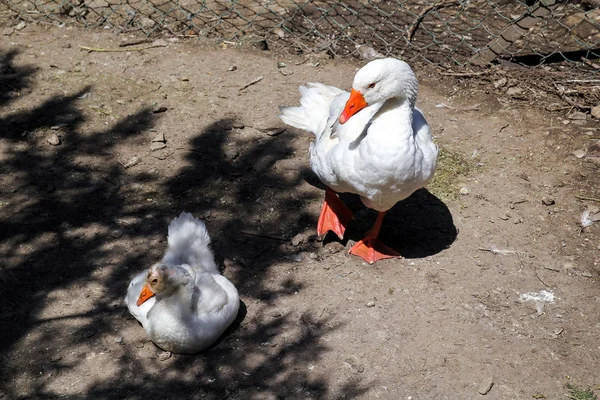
{"x":494,"y":250}
{"x":264,"y":236}
{"x":260,"y":78}
{"x":470,"y":108}
{"x":133,"y":42}
{"x":103,"y":50}
{"x":413,"y":28}
{"x":589,"y":63}
{"x":466,"y":73}
{"x":503,"y":127}
{"x":569,"y":100}
{"x":587,"y":198}
{"x":581,"y":80}
{"x":101,"y":111}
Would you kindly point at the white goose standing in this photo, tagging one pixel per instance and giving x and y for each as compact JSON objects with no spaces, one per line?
{"x":383,"y":153}
{"x":183,"y":302}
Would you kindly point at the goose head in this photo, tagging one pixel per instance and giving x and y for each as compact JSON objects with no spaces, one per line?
{"x":379,"y":81}
{"x":163,"y":281}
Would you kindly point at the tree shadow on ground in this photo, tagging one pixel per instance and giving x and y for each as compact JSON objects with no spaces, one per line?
{"x":76,"y":225}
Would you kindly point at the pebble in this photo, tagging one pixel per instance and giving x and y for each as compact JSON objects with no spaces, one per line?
{"x":296,"y":257}
{"x":299,"y":239}
{"x":238,"y":125}
{"x":159,"y":138}
{"x":53,"y":140}
{"x":596,"y":111}
{"x":20,"y":25}
{"x":548,"y":201}
{"x":165,"y":355}
{"x":586,"y":274}
{"x":56,"y":359}
{"x":371,"y":304}
{"x":464,"y":190}
{"x":500,"y":83}
{"x":279,"y":32}
{"x":579,"y":153}
{"x":119,"y":339}
{"x":116,"y":233}
{"x":578,"y":115}
{"x":486,"y":386}
{"x":8,"y":31}
{"x":140,"y":345}
{"x":157,"y":146}
{"x":514,"y":91}
{"x":160,"y":109}
{"x":131,"y":162}
{"x":88,"y":334}
{"x":232,"y":68}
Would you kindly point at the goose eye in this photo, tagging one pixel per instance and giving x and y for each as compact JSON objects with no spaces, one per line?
{"x":372,"y":85}
{"x":154,"y":281}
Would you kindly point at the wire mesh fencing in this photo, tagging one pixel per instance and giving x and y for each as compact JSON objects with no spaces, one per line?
{"x":441,"y":32}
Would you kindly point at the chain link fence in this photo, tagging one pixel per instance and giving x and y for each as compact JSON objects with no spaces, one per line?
{"x":442,"y":32}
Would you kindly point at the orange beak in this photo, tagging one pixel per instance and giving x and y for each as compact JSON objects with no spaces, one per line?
{"x":355,"y":103}
{"x":144,"y":295}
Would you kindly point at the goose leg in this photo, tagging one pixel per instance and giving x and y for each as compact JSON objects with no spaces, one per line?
{"x":370,"y":247}
{"x":335,"y":215}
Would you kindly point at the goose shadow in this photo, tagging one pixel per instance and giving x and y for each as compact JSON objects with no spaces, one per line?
{"x":416,"y":227}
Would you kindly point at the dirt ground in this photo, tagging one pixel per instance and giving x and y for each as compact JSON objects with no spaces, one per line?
{"x":89,"y":184}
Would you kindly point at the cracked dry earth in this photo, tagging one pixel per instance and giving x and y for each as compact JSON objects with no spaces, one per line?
{"x":100,"y":150}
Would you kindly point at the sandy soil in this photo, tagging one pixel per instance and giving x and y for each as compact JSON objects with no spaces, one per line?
{"x":86,"y":196}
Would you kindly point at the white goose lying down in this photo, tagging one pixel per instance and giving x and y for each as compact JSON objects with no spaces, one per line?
{"x":183,"y":302}
{"x":372,"y":142}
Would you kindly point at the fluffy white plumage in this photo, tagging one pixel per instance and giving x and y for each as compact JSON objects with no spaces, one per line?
{"x":196,"y":304}
{"x":384,"y":152}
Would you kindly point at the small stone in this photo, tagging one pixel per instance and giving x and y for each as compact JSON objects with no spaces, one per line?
{"x":116,"y":233}
{"x":514,"y":91}
{"x":500,"y":83}
{"x":296,"y":257}
{"x":279,"y":32}
{"x":232,"y":68}
{"x":20,"y":25}
{"x":119,"y":339}
{"x":8,"y":31}
{"x":566,"y":122}
{"x":558,"y":331}
{"x":299,"y":239}
{"x":275,"y":131}
{"x":56,"y":359}
{"x":88,"y":334}
{"x":159,"y":138}
{"x":147,"y":23}
{"x":596,"y":112}
{"x":160,"y":109}
{"x":371,"y":304}
{"x":238,"y":125}
{"x":140,"y":345}
{"x":165,"y":355}
{"x":486,"y":386}
{"x":53,"y":140}
{"x":578,"y":115}
{"x":157,"y":146}
{"x":579,"y":153}
{"x":275,"y":314}
{"x":586,"y":274}
{"x":548,"y":201}
{"x":131,"y":162}
{"x":121,"y":102}
{"x":232,"y":153}
{"x":464,"y":190}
